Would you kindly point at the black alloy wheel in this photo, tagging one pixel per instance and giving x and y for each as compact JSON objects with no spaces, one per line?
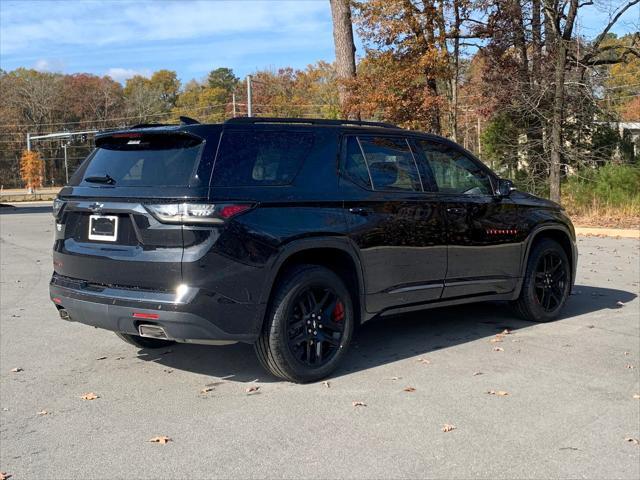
{"x":546,"y":284}
{"x":309,"y":324}
{"x":550,"y":281}
{"x":315,"y":326}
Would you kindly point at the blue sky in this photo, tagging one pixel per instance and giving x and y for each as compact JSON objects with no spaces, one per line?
{"x":122,"y":37}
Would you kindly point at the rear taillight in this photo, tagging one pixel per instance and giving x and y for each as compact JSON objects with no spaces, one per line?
{"x":57,"y":207}
{"x":189,"y":213}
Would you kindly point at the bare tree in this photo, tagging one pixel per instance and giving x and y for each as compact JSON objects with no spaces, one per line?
{"x":561,"y":17}
{"x":345,"y":47}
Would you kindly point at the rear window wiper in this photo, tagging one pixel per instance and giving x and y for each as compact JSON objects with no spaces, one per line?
{"x":106,"y":178}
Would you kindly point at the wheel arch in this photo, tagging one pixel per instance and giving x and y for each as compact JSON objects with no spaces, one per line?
{"x":333,"y":253}
{"x":559,"y":233}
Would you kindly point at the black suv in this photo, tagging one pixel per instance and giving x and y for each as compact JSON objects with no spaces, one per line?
{"x":289,"y":233}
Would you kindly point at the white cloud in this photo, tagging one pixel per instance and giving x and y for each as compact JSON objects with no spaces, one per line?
{"x":122,"y":74}
{"x":44,"y":65}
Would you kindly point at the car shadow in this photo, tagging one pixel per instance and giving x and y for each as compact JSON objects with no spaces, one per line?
{"x":7,"y":209}
{"x":387,"y":339}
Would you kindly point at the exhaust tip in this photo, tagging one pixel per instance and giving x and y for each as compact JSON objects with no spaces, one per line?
{"x":152,"y":331}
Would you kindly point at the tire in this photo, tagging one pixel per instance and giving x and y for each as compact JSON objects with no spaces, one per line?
{"x":144,"y":342}
{"x":533,"y":300}
{"x":277,"y":349}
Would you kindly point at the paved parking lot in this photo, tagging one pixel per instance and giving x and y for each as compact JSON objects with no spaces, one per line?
{"x":569,"y":411}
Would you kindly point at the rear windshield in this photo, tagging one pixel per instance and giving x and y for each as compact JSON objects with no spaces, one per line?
{"x":135,"y":160}
{"x":247,"y":158}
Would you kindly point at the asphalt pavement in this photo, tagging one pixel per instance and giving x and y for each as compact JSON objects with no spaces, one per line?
{"x":569,"y":409}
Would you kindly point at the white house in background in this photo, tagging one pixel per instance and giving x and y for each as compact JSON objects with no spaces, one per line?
{"x":633,"y":129}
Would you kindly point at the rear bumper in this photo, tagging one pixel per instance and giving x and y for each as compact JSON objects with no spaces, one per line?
{"x":189,"y":315}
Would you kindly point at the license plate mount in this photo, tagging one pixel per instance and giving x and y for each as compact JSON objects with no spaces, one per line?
{"x":103,"y":228}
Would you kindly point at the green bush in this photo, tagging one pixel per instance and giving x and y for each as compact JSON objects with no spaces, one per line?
{"x":610,"y":186}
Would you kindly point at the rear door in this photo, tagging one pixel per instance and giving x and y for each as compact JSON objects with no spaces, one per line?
{"x":484,"y":247}
{"x":108,"y":231}
{"x":398,"y":228}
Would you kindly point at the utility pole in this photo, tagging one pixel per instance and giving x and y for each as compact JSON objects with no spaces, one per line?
{"x":479,"y":144}
{"x":28,"y":142}
{"x":249,"y":112}
{"x":233,"y":99}
{"x":66,"y":163}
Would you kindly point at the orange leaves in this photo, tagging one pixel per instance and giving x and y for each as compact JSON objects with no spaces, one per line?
{"x":89,"y":396}
{"x":253,"y":390}
{"x":448,"y":427}
{"x":31,"y":169}
{"x":16,"y":370}
{"x":409,"y":389}
{"x":358,"y":404}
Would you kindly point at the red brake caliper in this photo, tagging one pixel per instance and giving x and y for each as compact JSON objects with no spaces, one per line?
{"x":338,"y":312}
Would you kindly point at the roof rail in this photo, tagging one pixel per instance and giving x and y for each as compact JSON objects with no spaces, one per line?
{"x":149,"y":125}
{"x":307,"y":121}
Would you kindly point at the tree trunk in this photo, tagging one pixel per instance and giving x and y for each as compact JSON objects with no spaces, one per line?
{"x":345,"y":50}
{"x":556,"y":121}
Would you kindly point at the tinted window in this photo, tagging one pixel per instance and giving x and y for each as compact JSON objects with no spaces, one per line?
{"x":136,"y":160}
{"x":248,"y":158}
{"x":391,"y":163}
{"x":454,"y":172}
{"x":355,"y":167}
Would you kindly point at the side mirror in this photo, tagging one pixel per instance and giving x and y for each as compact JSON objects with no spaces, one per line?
{"x":505,"y":187}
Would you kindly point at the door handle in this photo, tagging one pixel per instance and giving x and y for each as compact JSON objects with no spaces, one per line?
{"x":456,"y":210}
{"x":359,"y":211}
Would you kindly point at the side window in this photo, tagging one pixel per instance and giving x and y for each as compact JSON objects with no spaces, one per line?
{"x":453,"y":171}
{"x":355,"y":167}
{"x":390,"y":163}
{"x":249,"y":158}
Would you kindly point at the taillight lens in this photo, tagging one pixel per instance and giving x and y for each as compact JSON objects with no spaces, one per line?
{"x":57,"y":207}
{"x":189,"y":213}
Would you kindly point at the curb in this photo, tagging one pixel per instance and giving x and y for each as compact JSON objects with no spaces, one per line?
{"x":608,"y":232}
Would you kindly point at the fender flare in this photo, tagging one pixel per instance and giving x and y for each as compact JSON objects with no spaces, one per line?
{"x":289,"y":249}
{"x":531,"y":239}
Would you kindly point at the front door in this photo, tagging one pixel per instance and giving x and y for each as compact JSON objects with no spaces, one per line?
{"x":484,"y":245}
{"x":398,"y":227}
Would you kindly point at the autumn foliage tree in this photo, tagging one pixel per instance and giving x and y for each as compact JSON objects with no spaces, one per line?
{"x":31,"y":169}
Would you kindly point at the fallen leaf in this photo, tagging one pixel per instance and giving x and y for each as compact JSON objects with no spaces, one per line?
{"x":626,"y":354}
{"x":326,"y":384}
{"x":637,"y":396}
{"x":119,"y":358}
{"x":447,"y":428}
{"x":4,"y":476}
{"x":500,"y":393}
{"x":16,"y":370}
{"x":629,"y":366}
{"x":89,"y":396}
{"x":167,"y":370}
{"x":619,"y":304}
{"x":42,"y":412}
{"x":506,"y":331}
{"x":635,"y":441}
{"x":498,"y":349}
{"x":206,"y":390}
{"x":475,"y":374}
{"x":395,"y":378}
{"x":253,"y":389}
{"x":409,"y":389}
{"x":163,"y":440}
{"x":424,"y":360}
{"x":101,"y":358}
{"x":496,"y":339}
{"x":358,"y":404}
